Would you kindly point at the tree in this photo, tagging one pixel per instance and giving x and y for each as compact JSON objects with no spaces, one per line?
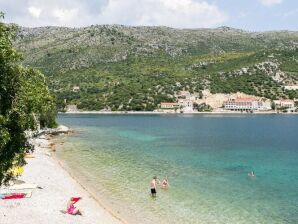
{"x":24,"y":101}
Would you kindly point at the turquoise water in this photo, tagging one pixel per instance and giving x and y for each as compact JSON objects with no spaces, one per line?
{"x":206,"y":157}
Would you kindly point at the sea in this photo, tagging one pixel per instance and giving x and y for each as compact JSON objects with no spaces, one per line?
{"x":207,"y":159}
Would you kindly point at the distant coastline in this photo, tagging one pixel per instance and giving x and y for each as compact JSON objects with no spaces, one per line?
{"x":171,"y":113}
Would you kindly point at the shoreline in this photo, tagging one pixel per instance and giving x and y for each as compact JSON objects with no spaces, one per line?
{"x":175,"y":113}
{"x":68,"y":170}
{"x":56,"y":186}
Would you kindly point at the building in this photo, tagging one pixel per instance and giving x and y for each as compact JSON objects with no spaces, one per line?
{"x":71,"y":108}
{"x":291,"y":87}
{"x":284,"y":103}
{"x":169,"y":105}
{"x":247,"y":104}
{"x":185,"y":103}
{"x":76,"y":89}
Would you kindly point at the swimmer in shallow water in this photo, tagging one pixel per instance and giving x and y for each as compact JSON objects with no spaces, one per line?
{"x":252,"y":174}
{"x":165,"y":183}
{"x":153,"y":185}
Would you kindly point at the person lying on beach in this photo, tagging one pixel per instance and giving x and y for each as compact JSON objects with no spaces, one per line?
{"x":71,"y":209}
{"x":165,"y":183}
{"x":153,"y":185}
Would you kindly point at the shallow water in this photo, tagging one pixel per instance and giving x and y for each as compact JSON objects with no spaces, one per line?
{"x":207,"y":158}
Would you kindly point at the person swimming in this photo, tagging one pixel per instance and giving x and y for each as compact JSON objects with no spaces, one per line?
{"x":165,"y":183}
{"x":252,"y":174}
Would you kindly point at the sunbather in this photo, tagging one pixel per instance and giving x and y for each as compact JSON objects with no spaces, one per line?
{"x":71,"y":209}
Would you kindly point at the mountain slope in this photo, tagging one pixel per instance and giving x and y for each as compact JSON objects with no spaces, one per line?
{"x":135,"y":68}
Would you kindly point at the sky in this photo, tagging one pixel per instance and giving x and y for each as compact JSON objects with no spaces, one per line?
{"x":250,"y":15}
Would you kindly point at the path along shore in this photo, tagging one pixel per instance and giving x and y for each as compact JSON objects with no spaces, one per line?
{"x":56,"y":186}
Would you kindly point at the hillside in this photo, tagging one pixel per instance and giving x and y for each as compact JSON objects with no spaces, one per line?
{"x":135,"y":68}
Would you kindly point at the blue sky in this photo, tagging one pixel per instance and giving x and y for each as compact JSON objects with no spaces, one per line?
{"x":252,"y":15}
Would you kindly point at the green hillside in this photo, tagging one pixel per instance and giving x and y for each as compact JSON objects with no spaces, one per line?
{"x":136,"y":68}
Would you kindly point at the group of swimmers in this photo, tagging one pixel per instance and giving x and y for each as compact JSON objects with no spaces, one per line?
{"x":164,"y":184}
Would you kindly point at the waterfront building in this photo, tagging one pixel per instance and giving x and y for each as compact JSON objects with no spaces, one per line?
{"x":169,"y":105}
{"x":247,"y":104}
{"x":284,"y":103}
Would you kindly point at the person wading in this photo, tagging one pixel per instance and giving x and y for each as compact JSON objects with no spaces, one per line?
{"x":153,"y":185}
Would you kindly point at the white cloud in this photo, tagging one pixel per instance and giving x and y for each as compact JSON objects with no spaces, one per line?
{"x":173,"y":13}
{"x":270,"y":2}
{"x":34,"y":11}
{"x":66,"y":16}
{"x":77,"y":13}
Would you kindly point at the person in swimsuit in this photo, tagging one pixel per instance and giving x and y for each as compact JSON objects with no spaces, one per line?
{"x":165,"y":183}
{"x":71,"y":209}
{"x":153,"y":186}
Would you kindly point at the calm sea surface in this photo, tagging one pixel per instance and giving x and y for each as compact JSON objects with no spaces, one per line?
{"x":206,"y":157}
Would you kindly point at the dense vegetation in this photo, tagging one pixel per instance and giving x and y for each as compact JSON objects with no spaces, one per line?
{"x":24,"y":102}
{"x":136,"y":68}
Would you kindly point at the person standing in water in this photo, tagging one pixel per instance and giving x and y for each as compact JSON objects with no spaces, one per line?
{"x":165,"y":183}
{"x":153,"y":186}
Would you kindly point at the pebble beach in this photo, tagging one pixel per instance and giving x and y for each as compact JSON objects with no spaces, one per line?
{"x":47,"y":203}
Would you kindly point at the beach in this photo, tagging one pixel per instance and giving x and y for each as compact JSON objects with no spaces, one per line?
{"x":55,"y":187}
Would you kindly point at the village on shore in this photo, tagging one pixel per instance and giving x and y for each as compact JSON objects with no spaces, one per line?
{"x":206,"y":102}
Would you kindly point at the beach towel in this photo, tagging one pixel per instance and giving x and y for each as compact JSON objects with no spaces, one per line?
{"x":14,"y":196}
{"x":7,"y":192}
{"x":22,"y":186}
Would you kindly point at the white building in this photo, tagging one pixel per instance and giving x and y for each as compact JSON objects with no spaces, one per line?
{"x":249,"y":104}
{"x":76,"y":89}
{"x":185,"y":103}
{"x":284,"y":103}
{"x":291,"y":87}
